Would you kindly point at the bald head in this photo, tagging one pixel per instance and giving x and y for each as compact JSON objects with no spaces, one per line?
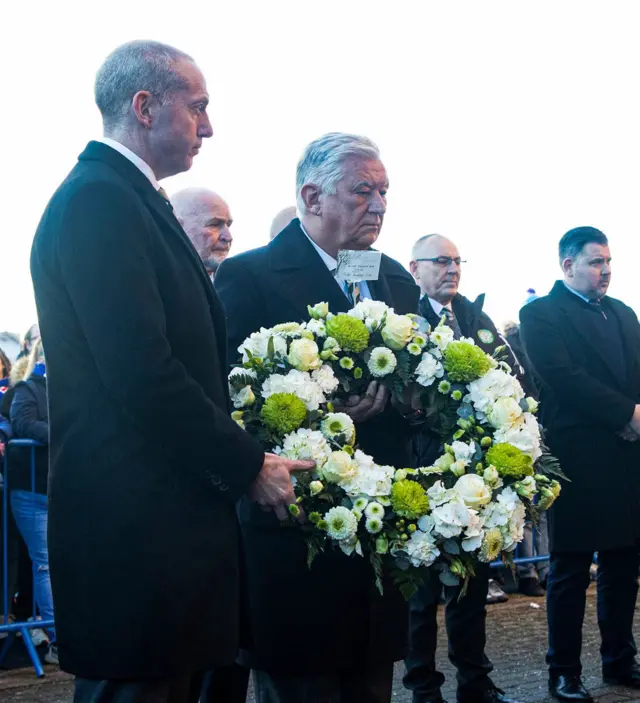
{"x":206,"y":219}
{"x":281,"y":220}
{"x":437,"y":279}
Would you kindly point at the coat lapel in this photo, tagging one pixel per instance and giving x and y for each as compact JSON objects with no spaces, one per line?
{"x":169,"y":226}
{"x":577,"y":315}
{"x":300,"y":275}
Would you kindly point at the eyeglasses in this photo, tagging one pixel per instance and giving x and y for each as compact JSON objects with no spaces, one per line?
{"x":445,"y":261}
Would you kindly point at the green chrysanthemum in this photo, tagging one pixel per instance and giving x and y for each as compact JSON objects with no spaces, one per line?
{"x":509,"y":461}
{"x":444,"y":387}
{"x":465,"y":362}
{"x":491,"y":545}
{"x":409,"y":499}
{"x":283,"y":412}
{"x":350,"y":333}
{"x":346,"y":363}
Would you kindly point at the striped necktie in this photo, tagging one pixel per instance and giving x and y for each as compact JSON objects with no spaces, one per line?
{"x":163,"y":193}
{"x":352,"y":291}
{"x":452,"y":322}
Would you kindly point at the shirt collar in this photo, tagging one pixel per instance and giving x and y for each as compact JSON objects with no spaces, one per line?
{"x":139,"y":163}
{"x":582,"y":297}
{"x":329,"y":261}
{"x":438,"y":307}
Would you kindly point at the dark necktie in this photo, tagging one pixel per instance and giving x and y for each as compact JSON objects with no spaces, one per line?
{"x":597,"y":306}
{"x":452,"y":322}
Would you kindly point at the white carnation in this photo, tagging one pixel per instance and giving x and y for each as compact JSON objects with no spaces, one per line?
{"x":325,"y":379}
{"x":305,"y":444}
{"x":524,"y":434}
{"x":485,"y":391}
{"x":422,"y":549}
{"x":504,"y":413}
{"x":317,"y":327}
{"x":428,"y":370}
{"x":298,"y":383}
{"x":438,"y":494}
{"x":371,"y":312}
{"x":451,"y":518}
{"x":464,"y":452}
{"x":258,"y":344}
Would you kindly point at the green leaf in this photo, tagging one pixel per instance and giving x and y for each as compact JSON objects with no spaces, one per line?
{"x":271,"y":348}
{"x":376,"y":563}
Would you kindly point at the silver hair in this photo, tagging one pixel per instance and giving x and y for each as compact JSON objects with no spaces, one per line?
{"x":135,"y":66}
{"x":323,"y":159}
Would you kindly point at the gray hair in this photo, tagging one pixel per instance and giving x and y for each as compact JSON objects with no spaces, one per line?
{"x":135,"y":66}
{"x":322,"y":161}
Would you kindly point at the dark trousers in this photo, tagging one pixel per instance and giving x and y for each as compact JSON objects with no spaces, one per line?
{"x":465,"y":621}
{"x":566,"y":597}
{"x":227,"y":684}
{"x":185,"y":689}
{"x":373,"y":685}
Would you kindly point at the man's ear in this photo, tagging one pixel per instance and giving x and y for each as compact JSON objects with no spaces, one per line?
{"x":310,"y":194}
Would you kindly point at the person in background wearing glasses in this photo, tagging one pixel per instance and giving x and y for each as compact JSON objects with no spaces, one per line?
{"x":436,"y":267}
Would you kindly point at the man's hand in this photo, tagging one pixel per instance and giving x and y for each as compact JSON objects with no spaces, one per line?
{"x":272,"y":487}
{"x":372,"y":403}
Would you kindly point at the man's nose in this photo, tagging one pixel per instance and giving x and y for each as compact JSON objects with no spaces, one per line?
{"x":205,"y":130}
{"x":225,"y":235}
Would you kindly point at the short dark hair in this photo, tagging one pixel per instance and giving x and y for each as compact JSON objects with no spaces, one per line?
{"x":574,"y":241}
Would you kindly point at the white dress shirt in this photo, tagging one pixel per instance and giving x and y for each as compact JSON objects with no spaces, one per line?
{"x":134,"y":158}
{"x":439,"y":307}
{"x":332,"y":265}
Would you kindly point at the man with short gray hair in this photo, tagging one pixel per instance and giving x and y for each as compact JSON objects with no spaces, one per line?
{"x":352,"y":633}
{"x":146,"y":463}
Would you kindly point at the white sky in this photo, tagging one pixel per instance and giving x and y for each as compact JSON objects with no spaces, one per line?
{"x":501,"y":124}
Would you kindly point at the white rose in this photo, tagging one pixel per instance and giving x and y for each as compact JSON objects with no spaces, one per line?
{"x":304,"y":355}
{"x":339,"y":467}
{"x":428,"y":370}
{"x":504,"y":413}
{"x":397,"y":331}
{"x":318,"y":311}
{"x":315,"y":487}
{"x":258,"y":345}
{"x":473,"y":490}
{"x":244,"y":398}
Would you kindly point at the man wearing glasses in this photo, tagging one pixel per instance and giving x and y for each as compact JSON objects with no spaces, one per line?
{"x":436,"y":266}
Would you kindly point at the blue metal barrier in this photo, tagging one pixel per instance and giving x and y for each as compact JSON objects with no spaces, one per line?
{"x":12,"y":629}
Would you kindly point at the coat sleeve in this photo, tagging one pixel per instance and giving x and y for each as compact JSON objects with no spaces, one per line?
{"x":105,"y":256}
{"x":5,"y":429}
{"x":24,"y":416}
{"x":242,"y":305}
{"x":582,"y":393}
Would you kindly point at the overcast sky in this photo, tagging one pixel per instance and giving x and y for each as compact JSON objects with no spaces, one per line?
{"x":501,"y":124}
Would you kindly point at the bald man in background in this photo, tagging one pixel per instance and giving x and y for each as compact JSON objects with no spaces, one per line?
{"x":281,"y":220}
{"x":206,"y":218}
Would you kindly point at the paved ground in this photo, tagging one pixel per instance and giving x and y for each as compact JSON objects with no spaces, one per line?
{"x":516,"y":645}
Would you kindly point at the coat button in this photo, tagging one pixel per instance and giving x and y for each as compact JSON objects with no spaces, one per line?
{"x":216,"y":479}
{"x":224,"y":487}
